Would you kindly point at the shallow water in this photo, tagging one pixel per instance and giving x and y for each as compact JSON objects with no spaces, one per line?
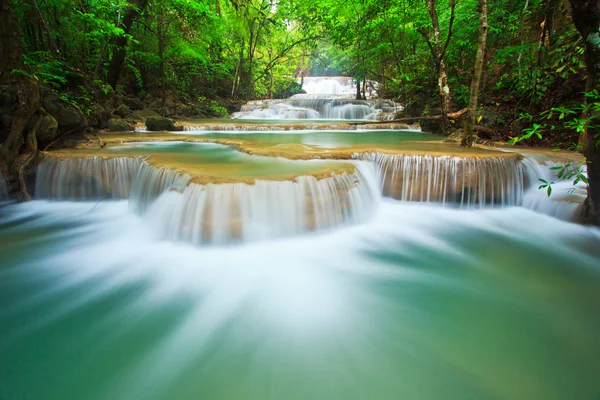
{"x":329,"y":139}
{"x":220,"y":161}
{"x":417,"y":302}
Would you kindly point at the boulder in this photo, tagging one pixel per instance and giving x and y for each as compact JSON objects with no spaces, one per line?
{"x":98,"y":117}
{"x":162,"y":124}
{"x":133,"y":103}
{"x":69,"y":117}
{"x":47,"y":131}
{"x":119,"y":125}
{"x":123,"y":111}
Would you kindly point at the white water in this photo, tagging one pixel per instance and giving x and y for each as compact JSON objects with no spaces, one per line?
{"x":566,"y":199}
{"x":214,"y":213}
{"x":222,"y":213}
{"x":329,"y":86}
{"x":466,"y":182}
{"x":305,"y":127}
{"x":333,"y":86}
{"x":418,"y":302}
{"x":300,"y":108}
{"x":328,"y":98}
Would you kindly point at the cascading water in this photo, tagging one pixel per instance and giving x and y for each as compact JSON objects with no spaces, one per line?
{"x":214,"y":213}
{"x":466,"y":182}
{"x":566,"y":199}
{"x":295,"y":127}
{"x":221,"y":213}
{"x":326,"y":98}
{"x":328,"y":85}
{"x":91,"y":178}
{"x":337,"y":86}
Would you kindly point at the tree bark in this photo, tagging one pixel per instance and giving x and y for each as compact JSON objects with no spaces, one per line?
{"x":586,"y":17}
{"x":438,"y":51}
{"x":28,"y":95}
{"x":470,"y":133}
{"x":120,"y":50}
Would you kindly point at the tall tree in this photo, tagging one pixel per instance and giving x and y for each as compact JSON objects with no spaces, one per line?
{"x":469,"y":135}
{"x":120,"y":51}
{"x":438,"y":53}
{"x":586,"y":17}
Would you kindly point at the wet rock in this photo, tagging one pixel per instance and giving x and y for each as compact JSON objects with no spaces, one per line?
{"x":162,"y":124}
{"x":119,"y":125}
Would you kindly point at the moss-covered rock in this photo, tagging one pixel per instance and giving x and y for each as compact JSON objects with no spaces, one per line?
{"x":119,"y":125}
{"x":98,"y":117}
{"x":162,"y":124}
{"x":69,"y":117}
{"x":123,"y":111}
{"x":133,"y":103}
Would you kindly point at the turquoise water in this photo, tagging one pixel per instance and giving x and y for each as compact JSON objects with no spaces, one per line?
{"x":208,"y":159}
{"x":419,"y":302}
{"x":329,"y":139}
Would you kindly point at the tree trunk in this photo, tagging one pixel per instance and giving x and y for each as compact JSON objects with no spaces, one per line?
{"x":445,"y":99}
{"x":470,"y":134}
{"x":120,"y":50}
{"x":28,"y":95}
{"x":358,"y":90}
{"x":438,"y":51}
{"x":161,"y":66}
{"x":586,"y":17}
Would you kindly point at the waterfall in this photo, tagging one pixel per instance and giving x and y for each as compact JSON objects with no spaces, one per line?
{"x":300,"y":107}
{"x":179,"y":209}
{"x":293,"y":127}
{"x":467,"y":182}
{"x":92,"y":178}
{"x":333,"y":86}
{"x":150,"y":182}
{"x":214,"y":213}
{"x":221,"y":213}
{"x":566,"y":200}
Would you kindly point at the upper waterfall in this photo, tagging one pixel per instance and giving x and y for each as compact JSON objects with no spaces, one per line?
{"x":329,"y":98}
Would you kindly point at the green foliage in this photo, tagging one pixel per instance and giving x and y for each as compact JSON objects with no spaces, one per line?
{"x":222,"y":111}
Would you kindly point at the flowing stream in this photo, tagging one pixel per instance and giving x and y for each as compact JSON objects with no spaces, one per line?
{"x":184,"y":270}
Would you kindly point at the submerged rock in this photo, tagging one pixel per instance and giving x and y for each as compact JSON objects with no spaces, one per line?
{"x":162,"y":124}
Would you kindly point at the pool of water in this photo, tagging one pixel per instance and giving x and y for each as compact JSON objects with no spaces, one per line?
{"x":329,"y":139}
{"x":417,"y":302}
{"x":219,"y":161}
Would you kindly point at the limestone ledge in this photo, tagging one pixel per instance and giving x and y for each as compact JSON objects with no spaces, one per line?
{"x":298,"y":151}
